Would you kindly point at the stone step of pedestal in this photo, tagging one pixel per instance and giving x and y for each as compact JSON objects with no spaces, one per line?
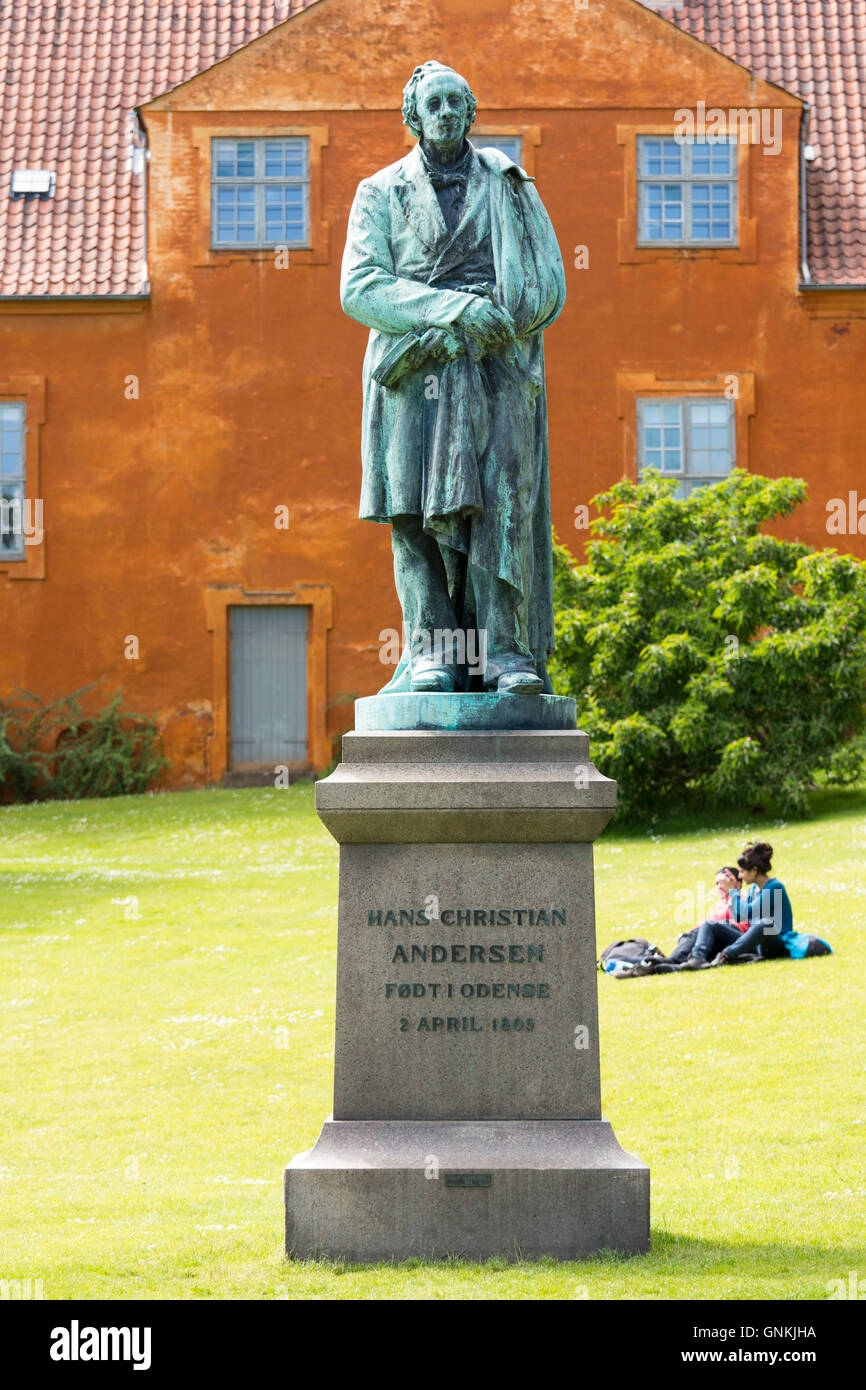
{"x":372,"y":1190}
{"x":497,"y":824}
{"x":419,"y":787}
{"x":466,"y":746}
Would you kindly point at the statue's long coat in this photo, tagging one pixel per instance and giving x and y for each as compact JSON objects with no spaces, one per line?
{"x":463,"y":444}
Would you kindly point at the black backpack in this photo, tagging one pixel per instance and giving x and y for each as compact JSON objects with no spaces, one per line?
{"x":818,"y":947}
{"x":632,"y":951}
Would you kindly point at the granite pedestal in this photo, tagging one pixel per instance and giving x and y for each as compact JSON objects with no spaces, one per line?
{"x":467,"y":1114}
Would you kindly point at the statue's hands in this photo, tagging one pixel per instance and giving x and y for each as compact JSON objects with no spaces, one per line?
{"x":441,"y":345}
{"x":487,"y":323}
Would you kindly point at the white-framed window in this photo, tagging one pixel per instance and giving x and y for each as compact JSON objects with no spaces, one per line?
{"x":13,"y":468}
{"x":260,"y":192}
{"x":510,"y":145}
{"x":691,"y":438}
{"x":687,"y":191}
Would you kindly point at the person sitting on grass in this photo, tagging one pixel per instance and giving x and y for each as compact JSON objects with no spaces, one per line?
{"x":727,"y":882}
{"x":763,"y":914}
{"x":720,"y":928}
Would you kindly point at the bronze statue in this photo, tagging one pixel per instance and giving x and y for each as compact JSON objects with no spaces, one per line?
{"x":452,"y":262}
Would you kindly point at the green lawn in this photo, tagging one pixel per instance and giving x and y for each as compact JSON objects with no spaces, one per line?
{"x":167,"y":993}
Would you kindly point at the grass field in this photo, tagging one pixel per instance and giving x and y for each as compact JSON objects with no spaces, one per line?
{"x":166,"y":1008}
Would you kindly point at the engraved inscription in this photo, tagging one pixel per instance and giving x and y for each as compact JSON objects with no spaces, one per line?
{"x":527,"y":956}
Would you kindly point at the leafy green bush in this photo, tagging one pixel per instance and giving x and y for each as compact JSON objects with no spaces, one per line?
{"x":56,"y":750}
{"x":712,"y":664}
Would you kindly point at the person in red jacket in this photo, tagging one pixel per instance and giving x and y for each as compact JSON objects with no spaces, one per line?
{"x":722,"y":927}
{"x":727,"y":882}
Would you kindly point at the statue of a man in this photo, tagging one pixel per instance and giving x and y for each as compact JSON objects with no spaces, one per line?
{"x":452,"y":262}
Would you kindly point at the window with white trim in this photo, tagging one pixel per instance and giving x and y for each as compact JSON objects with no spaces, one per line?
{"x":13,"y":467}
{"x":510,"y":145}
{"x":692,"y":439}
{"x":687,"y":191}
{"x":260,"y":192}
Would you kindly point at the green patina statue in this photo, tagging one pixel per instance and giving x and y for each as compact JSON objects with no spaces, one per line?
{"x":452,"y":262}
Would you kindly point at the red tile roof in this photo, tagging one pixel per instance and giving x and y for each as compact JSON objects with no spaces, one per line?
{"x":815,"y":49}
{"x":73,"y":72}
{"x":70,"y":75}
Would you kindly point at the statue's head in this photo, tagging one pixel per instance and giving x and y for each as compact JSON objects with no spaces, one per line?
{"x":438,"y":104}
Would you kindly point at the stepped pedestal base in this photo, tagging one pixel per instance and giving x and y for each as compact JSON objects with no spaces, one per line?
{"x":387,"y":1190}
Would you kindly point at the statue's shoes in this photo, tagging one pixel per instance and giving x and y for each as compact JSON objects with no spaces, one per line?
{"x":431,"y":678}
{"x":519,"y":683}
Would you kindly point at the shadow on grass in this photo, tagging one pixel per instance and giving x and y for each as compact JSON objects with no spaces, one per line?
{"x":671,"y":1253}
{"x":840,"y":803}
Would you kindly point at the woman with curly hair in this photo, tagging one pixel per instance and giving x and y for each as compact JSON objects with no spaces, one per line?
{"x":765,"y":908}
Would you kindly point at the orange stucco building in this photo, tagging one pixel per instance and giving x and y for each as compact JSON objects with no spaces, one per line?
{"x":192,"y":403}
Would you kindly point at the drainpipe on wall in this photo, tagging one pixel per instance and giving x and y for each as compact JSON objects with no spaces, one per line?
{"x":805,"y":276}
{"x":141,"y":159}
